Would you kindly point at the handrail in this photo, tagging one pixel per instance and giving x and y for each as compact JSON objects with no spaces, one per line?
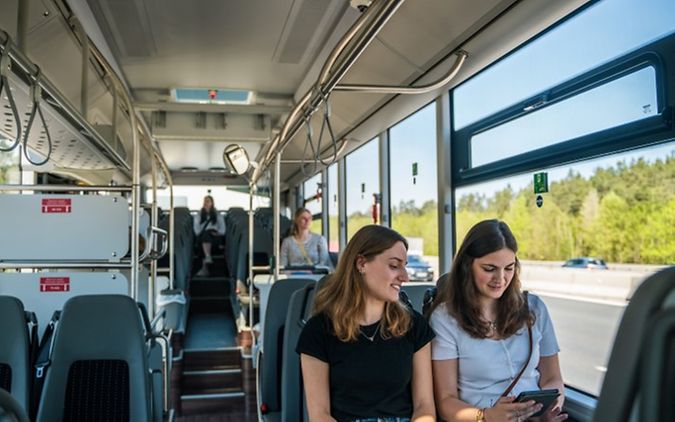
{"x":30,"y":69}
{"x":376,"y":17}
{"x":64,"y":188}
{"x":422,"y":89}
{"x":41,"y":265}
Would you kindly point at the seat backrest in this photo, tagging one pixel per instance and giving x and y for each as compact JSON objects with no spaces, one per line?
{"x":415,"y":292}
{"x":15,"y":368}
{"x":272,"y":340}
{"x":291,"y":376}
{"x":99,"y":368}
{"x":621,"y":386}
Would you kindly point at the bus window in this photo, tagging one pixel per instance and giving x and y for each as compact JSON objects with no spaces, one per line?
{"x":619,"y":210}
{"x":363,"y":180}
{"x":413,"y":181}
{"x":312,"y":191}
{"x":531,"y":70}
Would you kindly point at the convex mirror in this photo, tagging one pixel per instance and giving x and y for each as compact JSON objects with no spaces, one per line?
{"x":236,"y":159}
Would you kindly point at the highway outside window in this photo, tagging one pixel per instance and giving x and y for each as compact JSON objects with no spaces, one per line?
{"x":618,"y":210}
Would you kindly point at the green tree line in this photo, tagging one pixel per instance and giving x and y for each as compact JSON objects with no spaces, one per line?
{"x":624,"y":214}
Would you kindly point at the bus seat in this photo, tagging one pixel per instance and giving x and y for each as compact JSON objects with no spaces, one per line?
{"x":99,"y":367}
{"x":621,"y":387}
{"x":415,"y":292}
{"x":15,"y":367}
{"x":291,"y":377}
{"x":270,"y":354}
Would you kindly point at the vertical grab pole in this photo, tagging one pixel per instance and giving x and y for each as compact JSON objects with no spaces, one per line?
{"x":276,"y":209}
{"x":250,"y":263}
{"x":153,"y":223}
{"x":135,"y":198}
{"x":172,"y":284}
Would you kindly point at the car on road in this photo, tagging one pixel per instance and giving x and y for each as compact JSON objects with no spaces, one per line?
{"x":586,"y":262}
{"x":418,"y":269}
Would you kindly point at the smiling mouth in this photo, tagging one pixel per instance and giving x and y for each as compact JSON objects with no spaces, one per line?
{"x":396,"y":286}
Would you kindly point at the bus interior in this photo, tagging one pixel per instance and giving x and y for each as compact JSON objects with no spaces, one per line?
{"x":119,"y":117}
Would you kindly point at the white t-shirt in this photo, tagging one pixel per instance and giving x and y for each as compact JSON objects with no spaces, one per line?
{"x":486,"y":367}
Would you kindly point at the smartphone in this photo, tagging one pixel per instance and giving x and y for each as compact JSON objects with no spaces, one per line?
{"x":545,"y":397}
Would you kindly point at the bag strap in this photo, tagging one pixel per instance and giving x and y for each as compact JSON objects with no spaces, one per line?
{"x":301,"y":246}
{"x":529,"y":354}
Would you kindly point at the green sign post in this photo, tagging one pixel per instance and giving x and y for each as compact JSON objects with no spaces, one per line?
{"x":540,"y":183}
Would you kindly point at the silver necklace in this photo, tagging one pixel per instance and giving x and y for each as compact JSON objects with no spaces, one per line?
{"x":370,"y":338}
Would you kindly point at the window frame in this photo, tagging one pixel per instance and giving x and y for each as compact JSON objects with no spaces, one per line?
{"x":650,"y":130}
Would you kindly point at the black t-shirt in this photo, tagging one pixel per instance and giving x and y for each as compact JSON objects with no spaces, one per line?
{"x":367,"y":378}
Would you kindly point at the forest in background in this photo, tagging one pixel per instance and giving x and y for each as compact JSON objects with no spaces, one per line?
{"x":624,"y":214}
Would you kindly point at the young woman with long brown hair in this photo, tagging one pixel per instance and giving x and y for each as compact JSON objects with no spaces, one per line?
{"x":483,"y":324}
{"x":365,"y":356}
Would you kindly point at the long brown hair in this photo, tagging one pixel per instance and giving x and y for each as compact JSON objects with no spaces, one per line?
{"x":460,"y":295}
{"x":295,"y":230}
{"x":343,"y":298}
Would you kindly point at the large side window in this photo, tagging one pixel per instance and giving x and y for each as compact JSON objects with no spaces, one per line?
{"x":413,"y":185}
{"x":604,"y":225}
{"x":363,"y":181}
{"x":562,"y":53}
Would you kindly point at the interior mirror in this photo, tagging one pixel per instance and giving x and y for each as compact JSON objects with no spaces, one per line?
{"x":236,"y":159}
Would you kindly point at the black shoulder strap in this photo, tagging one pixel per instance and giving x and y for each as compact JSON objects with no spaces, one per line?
{"x":31,"y":320}
{"x":529,"y":354}
{"x":42,"y":361}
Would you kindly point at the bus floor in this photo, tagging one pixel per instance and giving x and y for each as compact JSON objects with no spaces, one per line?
{"x":215,"y":382}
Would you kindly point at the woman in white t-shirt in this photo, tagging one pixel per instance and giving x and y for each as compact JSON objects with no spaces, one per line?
{"x":483,"y":324}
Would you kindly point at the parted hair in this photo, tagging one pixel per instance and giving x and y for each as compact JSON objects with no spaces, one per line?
{"x":343,"y":297}
{"x":295,"y":230}
{"x":461,"y":295}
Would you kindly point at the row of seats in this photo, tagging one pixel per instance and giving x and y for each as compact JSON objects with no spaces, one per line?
{"x":237,"y":248}
{"x":99,"y":362}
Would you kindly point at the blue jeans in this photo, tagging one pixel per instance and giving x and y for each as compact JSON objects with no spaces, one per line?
{"x":387,"y":419}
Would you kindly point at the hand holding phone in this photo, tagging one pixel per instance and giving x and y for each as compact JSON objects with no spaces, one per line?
{"x":545,"y":397}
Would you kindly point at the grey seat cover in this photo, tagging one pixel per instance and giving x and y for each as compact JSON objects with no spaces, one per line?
{"x":14,"y":343}
{"x":98,"y":327}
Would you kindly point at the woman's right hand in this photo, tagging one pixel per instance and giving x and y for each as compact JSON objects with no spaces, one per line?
{"x":507,"y":410}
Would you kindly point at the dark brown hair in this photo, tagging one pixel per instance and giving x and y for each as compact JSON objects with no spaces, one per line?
{"x":461,"y":296}
{"x":343,"y":298}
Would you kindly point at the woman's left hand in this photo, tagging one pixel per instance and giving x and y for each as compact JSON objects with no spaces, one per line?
{"x":552,"y":414}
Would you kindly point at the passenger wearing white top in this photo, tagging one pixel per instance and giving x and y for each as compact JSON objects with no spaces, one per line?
{"x":209,"y":226}
{"x":482,"y":323}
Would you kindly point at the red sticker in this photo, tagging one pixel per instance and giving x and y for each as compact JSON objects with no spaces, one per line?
{"x":53,"y":206}
{"x":54,"y":284}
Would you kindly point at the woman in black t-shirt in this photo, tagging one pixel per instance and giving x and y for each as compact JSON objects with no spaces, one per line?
{"x":364,"y":354}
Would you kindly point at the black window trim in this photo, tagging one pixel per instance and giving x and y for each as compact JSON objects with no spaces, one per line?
{"x":653,"y":129}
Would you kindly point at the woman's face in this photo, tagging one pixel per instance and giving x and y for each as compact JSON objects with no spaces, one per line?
{"x":385,"y":273}
{"x":493,"y":273}
{"x":208,"y":203}
{"x":304,"y":221}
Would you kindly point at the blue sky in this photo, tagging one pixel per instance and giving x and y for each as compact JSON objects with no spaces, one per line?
{"x":596,"y":36}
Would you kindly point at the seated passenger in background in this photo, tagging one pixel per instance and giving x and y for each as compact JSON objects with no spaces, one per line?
{"x":209,"y":228}
{"x":483,"y":323}
{"x":364,"y":354}
{"x":302,"y":247}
